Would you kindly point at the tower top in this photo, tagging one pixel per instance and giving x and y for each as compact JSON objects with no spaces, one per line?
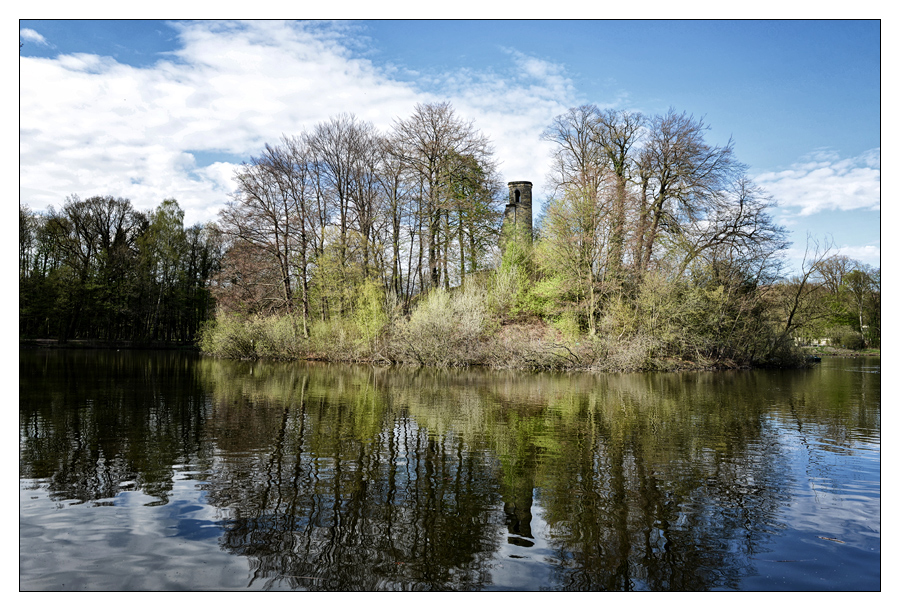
{"x":517,"y":216}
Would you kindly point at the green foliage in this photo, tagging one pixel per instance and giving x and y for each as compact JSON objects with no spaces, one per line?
{"x":98,"y":269}
{"x":446,"y":328}
{"x":512,"y":289}
{"x":369,"y":317}
{"x":238,"y":337}
{"x":334,"y":339}
{"x":360,"y":334}
{"x":847,"y":337}
{"x":567,"y":324}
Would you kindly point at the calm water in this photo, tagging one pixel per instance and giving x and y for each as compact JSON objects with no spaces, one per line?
{"x":167,"y":471}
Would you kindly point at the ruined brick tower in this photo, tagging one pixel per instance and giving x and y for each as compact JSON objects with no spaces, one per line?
{"x":517,"y":216}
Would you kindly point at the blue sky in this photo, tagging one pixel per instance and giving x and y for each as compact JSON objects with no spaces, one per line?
{"x":152,"y":109}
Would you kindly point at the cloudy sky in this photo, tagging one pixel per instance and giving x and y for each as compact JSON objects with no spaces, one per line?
{"x":150,"y":110}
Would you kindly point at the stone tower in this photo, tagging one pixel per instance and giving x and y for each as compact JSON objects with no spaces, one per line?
{"x":517,"y":216}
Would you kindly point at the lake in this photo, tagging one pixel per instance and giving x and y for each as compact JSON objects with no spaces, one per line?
{"x":172,"y":471}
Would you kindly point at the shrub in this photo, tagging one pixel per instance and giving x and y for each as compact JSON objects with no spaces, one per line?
{"x":847,"y":337}
{"x":237,"y":337}
{"x":369,"y":318}
{"x":445,"y":329}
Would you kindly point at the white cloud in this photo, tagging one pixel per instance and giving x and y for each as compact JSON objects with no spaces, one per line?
{"x":30,"y":35}
{"x":869,"y":254}
{"x":90,"y":125}
{"x":823,"y":181}
{"x":513,"y":107}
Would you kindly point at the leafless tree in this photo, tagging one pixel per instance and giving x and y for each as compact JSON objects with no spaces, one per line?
{"x":798,"y":298}
{"x":263,"y":215}
{"x":346,"y":154}
{"x":736,"y":225}
{"x":681,"y":179}
{"x":431,"y":143}
{"x":616,"y":132}
{"x":832,"y":271}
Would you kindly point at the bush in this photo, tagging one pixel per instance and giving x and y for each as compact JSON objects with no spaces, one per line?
{"x":369,"y":318}
{"x":335,"y":339}
{"x":236,"y":337}
{"x":446,"y":328}
{"x":847,"y":337}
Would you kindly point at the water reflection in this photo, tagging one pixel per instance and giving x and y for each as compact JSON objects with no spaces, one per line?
{"x":359,"y":478}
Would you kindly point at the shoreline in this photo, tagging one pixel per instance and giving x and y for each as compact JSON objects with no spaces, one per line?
{"x":94,"y":344}
{"x":664,"y":366}
{"x":840,"y":352}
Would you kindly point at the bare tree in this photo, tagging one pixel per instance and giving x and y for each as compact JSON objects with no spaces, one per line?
{"x":617,"y":132}
{"x":574,"y":241}
{"x":681,"y":179}
{"x":736,"y":225}
{"x":798,"y":298}
{"x":396,"y":187}
{"x":345,"y":155}
{"x":291,"y":168}
{"x":578,"y":160}
{"x":833,"y":270}
{"x":264,"y":215}
{"x":593,"y":148}
{"x":578,"y":223}
{"x":432,"y":142}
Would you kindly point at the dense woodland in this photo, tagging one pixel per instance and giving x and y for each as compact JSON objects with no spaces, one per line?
{"x":98,"y":269}
{"x":656,"y":250}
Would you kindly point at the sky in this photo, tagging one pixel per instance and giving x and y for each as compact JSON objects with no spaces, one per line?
{"x":149,"y":110}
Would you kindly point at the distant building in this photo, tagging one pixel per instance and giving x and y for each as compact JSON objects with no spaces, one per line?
{"x":517,"y":223}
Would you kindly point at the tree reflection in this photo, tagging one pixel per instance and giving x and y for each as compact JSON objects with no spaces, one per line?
{"x":343,"y":478}
{"x":98,"y":422}
{"x":351,"y":493}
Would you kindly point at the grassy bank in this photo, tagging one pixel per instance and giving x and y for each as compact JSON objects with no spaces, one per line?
{"x":841,"y":352}
{"x":485,"y":325}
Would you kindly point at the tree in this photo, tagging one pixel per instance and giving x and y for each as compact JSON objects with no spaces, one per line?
{"x":578,"y":160}
{"x":397,"y":189}
{"x":163,"y":247}
{"x":860,"y":285}
{"x":616,"y":132}
{"x":681,"y":178}
{"x":263,"y":216}
{"x":574,"y":239}
{"x":798,"y":299}
{"x":471,"y":212}
{"x":202,"y":261}
{"x":831,"y":272}
{"x":99,"y":269}
{"x":291,"y":168}
{"x":96,"y":240}
{"x":736,"y":226}
{"x":335,"y":146}
{"x":577,"y":228}
{"x":434,"y":143}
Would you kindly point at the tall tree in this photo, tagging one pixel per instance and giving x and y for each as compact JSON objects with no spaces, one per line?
{"x":432,"y":143}
{"x":163,"y":247}
{"x":97,"y":240}
{"x":397,"y":190}
{"x":617,"y":132}
{"x":263,"y":216}
{"x":335,"y":146}
{"x":586,"y":188}
{"x":861,"y":286}
{"x":681,"y":179}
